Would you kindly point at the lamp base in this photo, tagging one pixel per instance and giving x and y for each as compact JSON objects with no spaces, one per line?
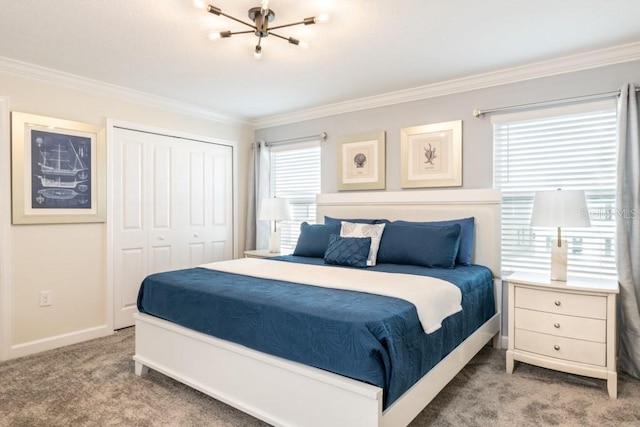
{"x":274,"y":241}
{"x":559,"y":260}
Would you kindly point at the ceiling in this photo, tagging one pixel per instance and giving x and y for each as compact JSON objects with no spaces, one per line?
{"x":369,"y":47}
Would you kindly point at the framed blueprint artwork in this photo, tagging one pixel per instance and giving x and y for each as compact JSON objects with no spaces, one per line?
{"x":58,"y":170}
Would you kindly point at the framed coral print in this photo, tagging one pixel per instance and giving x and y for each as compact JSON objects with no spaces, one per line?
{"x":431,"y":155}
{"x":58,"y":171}
{"x":361,"y":162}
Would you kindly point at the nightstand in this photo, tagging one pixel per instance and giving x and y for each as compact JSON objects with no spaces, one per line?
{"x":567,"y":326}
{"x":260,"y":253}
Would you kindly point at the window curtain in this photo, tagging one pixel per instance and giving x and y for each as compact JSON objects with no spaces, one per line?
{"x":257,"y":232}
{"x":628,"y":230}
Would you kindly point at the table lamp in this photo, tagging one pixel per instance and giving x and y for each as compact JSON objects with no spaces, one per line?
{"x":560,"y":208}
{"x":274,"y":209}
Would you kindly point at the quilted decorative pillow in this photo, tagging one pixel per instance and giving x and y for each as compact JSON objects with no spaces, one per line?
{"x":423,"y":245}
{"x":314,"y":239}
{"x":374,"y":231}
{"x":467,"y":229}
{"x":347,"y":251}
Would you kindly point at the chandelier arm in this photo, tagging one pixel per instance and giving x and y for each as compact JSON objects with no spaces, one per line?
{"x":291,"y":40}
{"x":278,"y":36}
{"x":305,"y":22}
{"x":238,"y":20}
{"x":241,"y":32}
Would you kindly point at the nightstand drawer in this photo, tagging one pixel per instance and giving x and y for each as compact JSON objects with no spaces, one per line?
{"x":591,"y":306}
{"x":561,"y":348}
{"x":560,"y":325}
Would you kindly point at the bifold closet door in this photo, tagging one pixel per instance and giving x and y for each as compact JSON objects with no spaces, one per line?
{"x":209,"y":234}
{"x":172,"y":209}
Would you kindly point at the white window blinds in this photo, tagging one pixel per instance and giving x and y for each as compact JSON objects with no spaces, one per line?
{"x":295,"y":175}
{"x":569,"y":148}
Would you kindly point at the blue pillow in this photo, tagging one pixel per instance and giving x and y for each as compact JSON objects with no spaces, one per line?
{"x":467,"y":228}
{"x":423,"y":245}
{"x":314,"y":239}
{"x":333,"y":221}
{"x":348,"y":251}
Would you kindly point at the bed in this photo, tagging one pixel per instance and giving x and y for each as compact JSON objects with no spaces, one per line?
{"x":288,"y":392}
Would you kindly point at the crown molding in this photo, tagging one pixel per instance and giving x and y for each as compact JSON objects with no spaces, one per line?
{"x":73,"y":81}
{"x":594,"y":59}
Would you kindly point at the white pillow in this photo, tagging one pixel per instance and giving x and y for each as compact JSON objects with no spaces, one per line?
{"x":352,"y":229}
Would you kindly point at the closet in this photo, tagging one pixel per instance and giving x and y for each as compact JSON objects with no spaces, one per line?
{"x":172,"y":208}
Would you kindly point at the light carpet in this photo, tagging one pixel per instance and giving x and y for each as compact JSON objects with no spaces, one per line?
{"x":93,"y":384}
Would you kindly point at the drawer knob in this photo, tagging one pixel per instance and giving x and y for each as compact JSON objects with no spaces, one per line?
{"x":556,"y":325}
{"x":557,"y":303}
{"x":556,"y":347}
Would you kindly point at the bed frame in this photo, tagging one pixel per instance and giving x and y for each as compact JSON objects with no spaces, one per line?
{"x":286,"y":393}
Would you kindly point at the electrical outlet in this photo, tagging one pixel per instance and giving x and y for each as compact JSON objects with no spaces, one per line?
{"x":46,"y":298}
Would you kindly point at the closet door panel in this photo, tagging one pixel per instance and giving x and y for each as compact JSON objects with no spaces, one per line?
{"x":131,"y":158}
{"x":129,"y":224}
{"x":161,"y":183}
{"x":163,"y":233}
{"x":197,"y":189}
{"x":197,"y":254}
{"x":197,"y":183}
{"x":133,"y":269}
{"x":220,"y":226}
{"x":220,"y":250}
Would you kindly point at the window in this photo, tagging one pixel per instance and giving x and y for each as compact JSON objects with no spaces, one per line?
{"x":569,"y":148}
{"x":295,"y":175}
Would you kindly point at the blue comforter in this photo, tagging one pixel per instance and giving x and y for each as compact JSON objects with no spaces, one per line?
{"x":371,"y":338}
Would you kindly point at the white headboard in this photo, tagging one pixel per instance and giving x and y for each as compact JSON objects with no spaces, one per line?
{"x":431,"y":205}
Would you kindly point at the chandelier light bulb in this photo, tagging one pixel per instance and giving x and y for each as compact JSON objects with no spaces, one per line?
{"x":323,"y":18}
{"x":200,"y":4}
{"x":214,"y":35}
{"x":304,"y":44}
{"x":258,"y":52}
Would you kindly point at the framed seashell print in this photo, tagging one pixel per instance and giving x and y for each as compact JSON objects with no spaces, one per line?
{"x":431,"y":155}
{"x":361,"y":161}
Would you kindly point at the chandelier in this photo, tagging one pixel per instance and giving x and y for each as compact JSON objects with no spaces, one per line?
{"x":261,"y":17}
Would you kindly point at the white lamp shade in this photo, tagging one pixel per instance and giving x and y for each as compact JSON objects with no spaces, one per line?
{"x":560,"y":208}
{"x":274,"y":209}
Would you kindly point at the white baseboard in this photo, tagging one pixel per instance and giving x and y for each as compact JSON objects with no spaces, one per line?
{"x":505,"y":342}
{"x":58,"y":341}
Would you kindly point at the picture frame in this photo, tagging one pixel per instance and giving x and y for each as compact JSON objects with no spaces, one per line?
{"x":361,"y":161}
{"x":58,"y":171}
{"x":431,"y":155}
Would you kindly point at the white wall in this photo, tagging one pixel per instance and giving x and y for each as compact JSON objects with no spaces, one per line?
{"x":70,"y":259}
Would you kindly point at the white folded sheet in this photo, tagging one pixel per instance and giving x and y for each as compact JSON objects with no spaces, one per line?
{"x":435,"y":299}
